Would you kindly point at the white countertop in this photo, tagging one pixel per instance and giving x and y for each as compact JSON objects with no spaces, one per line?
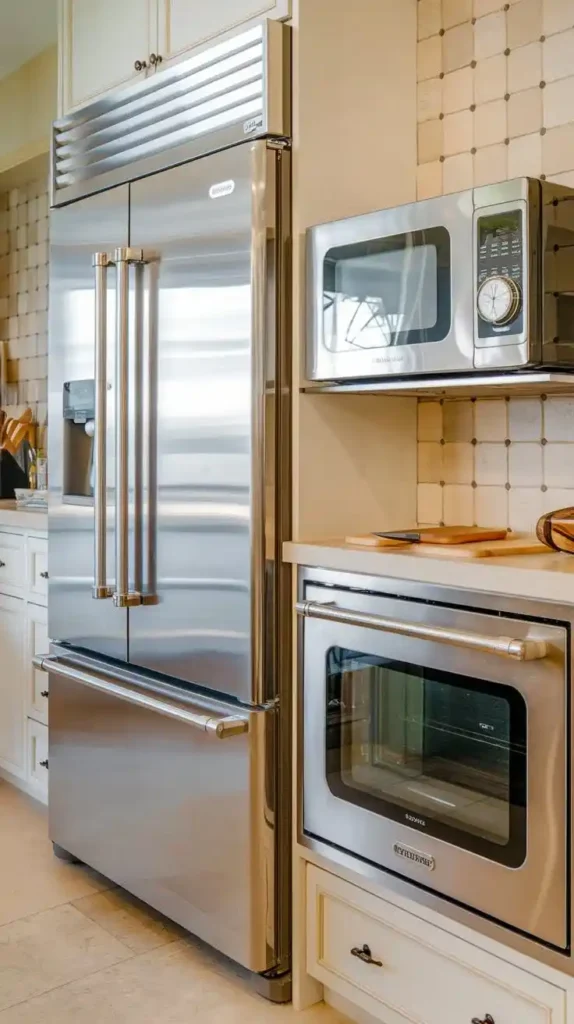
{"x":22,"y":519}
{"x":546,"y":577}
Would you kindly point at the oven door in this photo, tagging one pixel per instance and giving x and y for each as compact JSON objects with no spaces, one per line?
{"x":391,"y":293}
{"x":432,"y":754}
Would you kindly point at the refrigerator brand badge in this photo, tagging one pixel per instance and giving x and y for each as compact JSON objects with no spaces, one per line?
{"x":222,"y":188}
{"x":414,"y":856}
{"x":252,"y":124}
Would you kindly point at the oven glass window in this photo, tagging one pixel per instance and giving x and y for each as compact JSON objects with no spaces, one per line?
{"x":388,"y":291}
{"x":439,"y":752}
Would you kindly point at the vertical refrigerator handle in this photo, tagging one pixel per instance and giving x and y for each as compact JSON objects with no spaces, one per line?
{"x":145,"y":418}
{"x":123,"y":597}
{"x":100,"y":261}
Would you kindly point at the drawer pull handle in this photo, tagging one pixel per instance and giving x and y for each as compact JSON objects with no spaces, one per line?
{"x":2,"y":564}
{"x":487,"y":1019}
{"x":140,"y":65}
{"x":364,"y":953}
{"x":44,"y":764}
{"x":44,"y":693}
{"x":43,"y":575}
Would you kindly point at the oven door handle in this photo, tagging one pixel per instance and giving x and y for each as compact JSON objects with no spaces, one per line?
{"x":221,"y":727}
{"x":506,"y":646}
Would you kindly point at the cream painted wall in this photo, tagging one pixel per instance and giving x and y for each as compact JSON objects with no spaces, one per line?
{"x":28,"y":104}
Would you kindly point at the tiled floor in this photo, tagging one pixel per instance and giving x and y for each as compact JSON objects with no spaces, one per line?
{"x":74,"y":950}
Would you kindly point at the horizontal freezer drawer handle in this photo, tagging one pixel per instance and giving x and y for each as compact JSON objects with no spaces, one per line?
{"x":219,"y":727}
{"x":520,"y":650}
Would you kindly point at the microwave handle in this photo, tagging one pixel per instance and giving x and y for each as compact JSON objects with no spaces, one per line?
{"x":519,"y":650}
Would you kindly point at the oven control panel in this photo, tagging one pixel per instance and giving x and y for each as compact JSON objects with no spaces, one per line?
{"x":499,"y":284}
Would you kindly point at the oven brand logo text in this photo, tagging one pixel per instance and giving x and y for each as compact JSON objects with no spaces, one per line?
{"x":414,"y":856}
{"x":417,"y":821}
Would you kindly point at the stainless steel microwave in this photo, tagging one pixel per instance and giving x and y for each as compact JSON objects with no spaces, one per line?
{"x":480,"y":280}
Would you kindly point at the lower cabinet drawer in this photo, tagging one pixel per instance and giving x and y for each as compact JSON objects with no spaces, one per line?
{"x":38,"y":758}
{"x":12,"y":562}
{"x":417,"y":972}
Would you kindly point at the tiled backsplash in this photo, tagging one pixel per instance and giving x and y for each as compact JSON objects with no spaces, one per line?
{"x":495,"y":101}
{"x":495,"y":92}
{"x":24,"y":296}
{"x":494,"y":462}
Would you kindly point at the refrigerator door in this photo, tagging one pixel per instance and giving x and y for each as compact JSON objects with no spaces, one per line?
{"x":165,"y":792}
{"x":77,"y":232}
{"x":208,"y":230}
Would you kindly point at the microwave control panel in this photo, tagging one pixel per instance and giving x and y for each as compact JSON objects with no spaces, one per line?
{"x":499,"y":284}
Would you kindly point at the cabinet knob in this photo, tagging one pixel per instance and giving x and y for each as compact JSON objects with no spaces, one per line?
{"x":140,"y":65}
{"x":44,"y":575}
{"x":44,"y":693}
{"x":2,"y":564}
{"x":44,"y":764}
{"x":487,"y":1019}
{"x":364,"y":953}
{"x":155,"y":58}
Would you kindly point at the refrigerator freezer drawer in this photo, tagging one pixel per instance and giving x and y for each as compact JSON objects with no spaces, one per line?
{"x":167,"y":794}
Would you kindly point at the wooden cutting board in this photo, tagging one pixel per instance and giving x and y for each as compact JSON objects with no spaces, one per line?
{"x":444,"y":535}
{"x":486,"y":549}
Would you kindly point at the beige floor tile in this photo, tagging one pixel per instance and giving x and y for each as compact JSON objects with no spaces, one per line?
{"x":131,"y":921}
{"x":52,"y":948}
{"x":37,"y":880}
{"x":177,"y":984}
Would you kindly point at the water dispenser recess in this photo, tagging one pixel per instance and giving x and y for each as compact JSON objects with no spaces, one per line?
{"x":78,"y":461}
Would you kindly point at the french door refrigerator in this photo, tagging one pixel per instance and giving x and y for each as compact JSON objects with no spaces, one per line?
{"x":169,"y":496}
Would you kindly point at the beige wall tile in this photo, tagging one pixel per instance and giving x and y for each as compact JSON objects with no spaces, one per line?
{"x":458,"y":505}
{"x":429,"y":101}
{"x":558,"y":101}
{"x":429,"y":503}
{"x":457,"y":90}
{"x":458,"y":462}
{"x":525,"y":67}
{"x":490,"y":164}
{"x":428,"y":18}
{"x":490,"y":123}
{"x":525,"y":506}
{"x":430,"y":462}
{"x":490,"y":35}
{"x":525,"y":419}
{"x":525,"y":465}
{"x":525,"y":156}
{"x":454,"y":12}
{"x":558,"y":56}
{"x":558,"y":465}
{"x":525,"y":112}
{"x":482,"y":7}
{"x":491,"y":506}
{"x":457,"y":133}
{"x":557,"y":15}
{"x":457,"y":172}
{"x":558,"y":149}
{"x":491,"y":464}
{"x":458,"y":421}
{"x":429,"y":58}
{"x":429,"y":180}
{"x":490,"y":79}
{"x":457,"y":47}
{"x":524,"y":23}
{"x":430,"y":141}
{"x":429,"y":421}
{"x":490,"y":420}
{"x":558,"y":413}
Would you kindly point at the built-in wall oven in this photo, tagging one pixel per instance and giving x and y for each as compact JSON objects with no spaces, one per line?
{"x":436,"y":737}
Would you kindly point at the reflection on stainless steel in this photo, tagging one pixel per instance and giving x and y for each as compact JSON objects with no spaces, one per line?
{"x":191,"y":432}
{"x":403,"y":734}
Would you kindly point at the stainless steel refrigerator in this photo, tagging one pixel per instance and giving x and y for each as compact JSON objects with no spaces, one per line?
{"x":169,"y":497}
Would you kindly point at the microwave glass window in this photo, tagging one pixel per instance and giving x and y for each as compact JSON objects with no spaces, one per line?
{"x":437,"y":751}
{"x":387,"y":292}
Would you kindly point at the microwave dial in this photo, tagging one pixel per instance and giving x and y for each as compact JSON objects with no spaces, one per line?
{"x":498,"y":300}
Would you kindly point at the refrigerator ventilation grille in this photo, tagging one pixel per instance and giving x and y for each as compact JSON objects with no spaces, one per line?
{"x":221,"y":87}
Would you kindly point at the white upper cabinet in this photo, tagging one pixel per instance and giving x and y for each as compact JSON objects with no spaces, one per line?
{"x":184,"y":24}
{"x":108,"y":43}
{"x":100,"y":43}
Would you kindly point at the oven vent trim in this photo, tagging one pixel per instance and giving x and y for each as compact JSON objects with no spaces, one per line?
{"x":225,"y":94}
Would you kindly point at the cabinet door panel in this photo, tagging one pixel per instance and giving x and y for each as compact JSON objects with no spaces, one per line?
{"x":12,"y":684}
{"x":37,"y":643}
{"x":187,"y":23}
{"x":101,"y":41}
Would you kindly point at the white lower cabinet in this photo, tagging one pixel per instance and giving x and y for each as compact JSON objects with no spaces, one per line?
{"x":417,"y":972}
{"x":36,"y":643}
{"x":37,"y":768}
{"x":12,"y":685}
